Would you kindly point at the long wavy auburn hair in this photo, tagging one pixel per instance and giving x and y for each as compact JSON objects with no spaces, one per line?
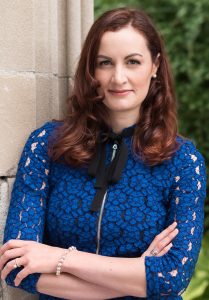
{"x":155,"y":134}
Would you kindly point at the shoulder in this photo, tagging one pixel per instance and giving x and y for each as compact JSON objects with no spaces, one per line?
{"x":187,"y":151}
{"x":188,"y":159}
{"x":46,"y":130}
{"x":44,"y":134}
{"x":37,"y":144}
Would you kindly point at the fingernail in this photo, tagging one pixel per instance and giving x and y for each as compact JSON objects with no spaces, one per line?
{"x":173,"y":224}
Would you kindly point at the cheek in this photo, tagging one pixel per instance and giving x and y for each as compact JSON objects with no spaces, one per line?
{"x":143,"y":83}
{"x":142,"y":89}
{"x":102,"y":78}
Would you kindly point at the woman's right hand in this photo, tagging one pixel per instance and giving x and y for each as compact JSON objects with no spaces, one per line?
{"x":162,"y":242}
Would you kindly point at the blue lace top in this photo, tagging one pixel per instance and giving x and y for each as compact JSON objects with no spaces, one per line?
{"x":51,"y":203}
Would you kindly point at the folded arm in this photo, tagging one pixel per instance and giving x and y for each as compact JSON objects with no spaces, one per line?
{"x":67,"y":286}
{"x":37,"y":257}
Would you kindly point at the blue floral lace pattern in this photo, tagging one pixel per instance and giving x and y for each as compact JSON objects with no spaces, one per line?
{"x":51,"y":203}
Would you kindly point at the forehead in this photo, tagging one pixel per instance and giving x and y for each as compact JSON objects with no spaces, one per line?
{"x":125,"y":40}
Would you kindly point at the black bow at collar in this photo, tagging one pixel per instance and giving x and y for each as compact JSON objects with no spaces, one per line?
{"x":111,"y":173}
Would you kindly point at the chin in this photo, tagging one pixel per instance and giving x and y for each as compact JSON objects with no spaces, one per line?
{"x":117,"y":105}
{"x":118,"y":108}
{"x":121,"y":107}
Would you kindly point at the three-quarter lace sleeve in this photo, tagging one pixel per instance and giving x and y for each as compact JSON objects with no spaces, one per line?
{"x":170,"y":274}
{"x":26,"y":214}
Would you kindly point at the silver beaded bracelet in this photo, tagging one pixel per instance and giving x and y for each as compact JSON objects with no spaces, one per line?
{"x":62,"y":259}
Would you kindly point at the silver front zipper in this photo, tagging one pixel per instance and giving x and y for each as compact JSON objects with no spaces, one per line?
{"x":114,"y":149}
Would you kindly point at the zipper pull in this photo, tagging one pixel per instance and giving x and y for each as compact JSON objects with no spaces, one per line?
{"x":114,"y":148}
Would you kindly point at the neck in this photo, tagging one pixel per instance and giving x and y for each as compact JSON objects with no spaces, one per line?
{"x":120,"y":121}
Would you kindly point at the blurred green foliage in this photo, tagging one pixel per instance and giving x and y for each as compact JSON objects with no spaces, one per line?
{"x":184,"y":26}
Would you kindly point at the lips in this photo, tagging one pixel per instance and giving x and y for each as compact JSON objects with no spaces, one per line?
{"x":119,"y":92}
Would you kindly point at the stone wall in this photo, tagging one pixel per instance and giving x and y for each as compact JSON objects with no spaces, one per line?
{"x":40,"y":42}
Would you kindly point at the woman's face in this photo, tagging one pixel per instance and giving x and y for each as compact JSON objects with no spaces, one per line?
{"x":124,"y":70}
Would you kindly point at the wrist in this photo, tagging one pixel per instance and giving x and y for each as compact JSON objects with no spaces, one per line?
{"x":70,"y":262}
{"x":62,"y":264}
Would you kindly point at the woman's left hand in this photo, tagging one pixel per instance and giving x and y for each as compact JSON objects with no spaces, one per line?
{"x":34,"y":257}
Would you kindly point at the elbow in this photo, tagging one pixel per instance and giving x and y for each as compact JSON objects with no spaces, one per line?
{"x":167,"y":277}
{"x":139,"y":291}
{"x":132,"y":289}
{"x":177,"y":286}
{"x":140,"y":294}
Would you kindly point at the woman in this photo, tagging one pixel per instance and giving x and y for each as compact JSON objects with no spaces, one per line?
{"x":114,"y":179}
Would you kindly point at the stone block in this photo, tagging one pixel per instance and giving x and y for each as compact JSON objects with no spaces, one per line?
{"x":51,"y":96}
{"x":16,"y":35}
{"x":41,"y":36}
{"x":73,"y":34}
{"x":87,"y":17}
{"x":17,"y":118}
{"x":4,"y":204}
{"x":10,"y":183}
{"x":50,"y":36}
{"x":5,"y":195}
{"x":43,"y":99}
{"x":59,"y":94}
{"x":58,"y":37}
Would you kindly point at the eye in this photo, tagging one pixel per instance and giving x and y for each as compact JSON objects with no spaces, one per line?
{"x":105,"y":62}
{"x":133,"y":62}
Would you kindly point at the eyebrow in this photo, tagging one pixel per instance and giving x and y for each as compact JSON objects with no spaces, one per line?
{"x":130,"y":55}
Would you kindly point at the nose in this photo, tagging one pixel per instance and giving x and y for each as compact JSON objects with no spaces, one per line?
{"x":119,"y":75}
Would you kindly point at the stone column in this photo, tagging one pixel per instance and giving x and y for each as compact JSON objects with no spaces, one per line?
{"x":40,"y":43}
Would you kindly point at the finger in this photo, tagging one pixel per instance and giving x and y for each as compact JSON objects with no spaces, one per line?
{"x":12,"y":244}
{"x":165,"y":249}
{"x":162,"y":239}
{"x":10,"y":254}
{"x":166,"y":231}
{"x":11,"y":265}
{"x":161,"y":236}
{"x":21,"y":275}
{"x":166,"y":241}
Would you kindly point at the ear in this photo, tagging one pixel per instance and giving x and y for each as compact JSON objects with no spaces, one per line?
{"x":156,"y":66}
